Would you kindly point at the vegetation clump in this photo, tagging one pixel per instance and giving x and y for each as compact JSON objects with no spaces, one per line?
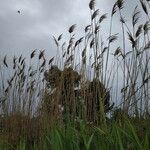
{"x":72,"y":93}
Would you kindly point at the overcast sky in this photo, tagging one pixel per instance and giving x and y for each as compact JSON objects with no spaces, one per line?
{"x":40,"y":19}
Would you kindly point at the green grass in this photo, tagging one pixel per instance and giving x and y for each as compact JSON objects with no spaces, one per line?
{"x":89,"y":137}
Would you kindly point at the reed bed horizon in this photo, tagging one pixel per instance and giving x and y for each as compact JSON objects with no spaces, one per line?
{"x":93,"y":94}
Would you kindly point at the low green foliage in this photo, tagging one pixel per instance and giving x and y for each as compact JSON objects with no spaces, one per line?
{"x":88,"y":137}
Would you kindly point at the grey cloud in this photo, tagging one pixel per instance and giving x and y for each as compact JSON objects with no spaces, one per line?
{"x":40,"y":19}
{"x":32,"y":28}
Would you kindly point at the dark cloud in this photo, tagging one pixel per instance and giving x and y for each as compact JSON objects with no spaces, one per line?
{"x":32,"y":28}
{"x":38,"y":20}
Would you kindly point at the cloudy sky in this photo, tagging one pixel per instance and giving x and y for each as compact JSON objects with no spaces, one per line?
{"x":40,"y":19}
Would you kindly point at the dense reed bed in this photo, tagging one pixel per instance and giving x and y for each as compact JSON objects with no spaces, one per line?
{"x":94,"y":94}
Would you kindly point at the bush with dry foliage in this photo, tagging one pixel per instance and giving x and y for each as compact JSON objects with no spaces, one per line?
{"x":72,"y":96}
